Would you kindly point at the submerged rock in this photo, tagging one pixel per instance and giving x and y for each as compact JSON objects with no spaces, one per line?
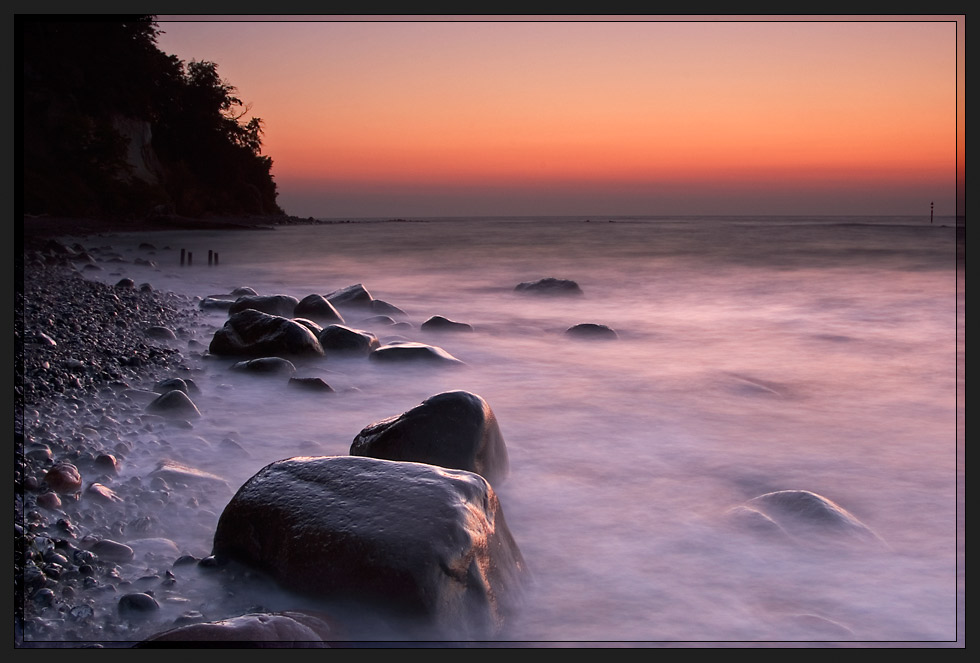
{"x":439,"y":323}
{"x":588,"y":330}
{"x":549,"y":286}
{"x":803,"y":517}
{"x":454,"y":429}
{"x":421,"y":542}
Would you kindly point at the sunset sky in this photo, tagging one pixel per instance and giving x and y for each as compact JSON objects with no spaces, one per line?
{"x":421,"y":116}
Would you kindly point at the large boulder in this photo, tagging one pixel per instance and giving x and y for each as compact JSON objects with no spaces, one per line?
{"x":410,"y":540}
{"x":256,"y":334}
{"x":589,"y":330}
{"x":410,"y":351}
{"x":282,"y":305}
{"x":343,"y":340}
{"x":454,"y":429}
{"x":318,"y":309}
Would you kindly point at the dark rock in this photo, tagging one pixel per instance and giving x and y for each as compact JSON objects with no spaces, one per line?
{"x":808,"y":518}
{"x":353,"y":296}
{"x":439,"y":323}
{"x":384,"y":308}
{"x":174,"y":403}
{"x":309,"y":324}
{"x":126,"y":284}
{"x":409,"y":351}
{"x":282,"y":305}
{"x":310,"y":384}
{"x":171,"y":384}
{"x":137,"y":604}
{"x":318,"y":309}
{"x":257,"y":334}
{"x":549,"y":286}
{"x":427,"y":543}
{"x":266,"y":365}
{"x":588,"y":330}
{"x":343,"y":340}
{"x":454,"y":429}
{"x":292,"y":629}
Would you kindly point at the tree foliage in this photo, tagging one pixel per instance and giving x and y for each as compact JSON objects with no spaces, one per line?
{"x":88,"y":81}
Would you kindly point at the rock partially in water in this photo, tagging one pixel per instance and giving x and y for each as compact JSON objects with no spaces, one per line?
{"x":427,"y":544}
{"x":282,"y":305}
{"x":311,"y":384}
{"x":318,"y":309}
{"x":440,"y":323}
{"x":410,"y":351}
{"x":454,"y":429}
{"x":590,"y":331}
{"x":550,"y":286}
{"x":174,"y":404}
{"x":803,"y":517}
{"x":266,"y":366}
{"x":343,"y":340}
{"x":256,"y":334}
{"x":353,"y":296}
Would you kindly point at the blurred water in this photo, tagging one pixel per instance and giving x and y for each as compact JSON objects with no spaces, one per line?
{"x":753,"y":355}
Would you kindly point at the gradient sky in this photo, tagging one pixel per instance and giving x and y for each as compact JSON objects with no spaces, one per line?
{"x":417,"y":116}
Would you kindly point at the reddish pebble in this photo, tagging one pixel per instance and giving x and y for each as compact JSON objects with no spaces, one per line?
{"x":64,"y":478}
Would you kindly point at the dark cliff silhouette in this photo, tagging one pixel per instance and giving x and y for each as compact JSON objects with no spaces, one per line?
{"x":114,"y":127}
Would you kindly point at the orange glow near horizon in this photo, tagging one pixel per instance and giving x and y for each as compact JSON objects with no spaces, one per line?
{"x":788,"y":103}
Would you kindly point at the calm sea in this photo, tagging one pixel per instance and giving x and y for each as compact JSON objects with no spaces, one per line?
{"x":754,"y":355}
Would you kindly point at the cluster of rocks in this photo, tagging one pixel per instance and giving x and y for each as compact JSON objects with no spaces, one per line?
{"x":84,"y":534}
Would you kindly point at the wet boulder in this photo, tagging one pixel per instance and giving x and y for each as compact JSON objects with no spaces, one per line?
{"x":439,"y":323}
{"x":282,"y":305}
{"x":343,"y":340}
{"x":353,"y":296}
{"x":256,"y":334}
{"x":416,"y":541}
{"x":549,"y":286}
{"x":318,"y":309}
{"x":454,"y":429}
{"x":410,"y":351}
{"x":256,"y":630}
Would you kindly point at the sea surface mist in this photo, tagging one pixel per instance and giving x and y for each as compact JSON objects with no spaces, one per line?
{"x":753,"y":355}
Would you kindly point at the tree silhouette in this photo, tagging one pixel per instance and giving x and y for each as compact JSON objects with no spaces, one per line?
{"x":85,"y":78}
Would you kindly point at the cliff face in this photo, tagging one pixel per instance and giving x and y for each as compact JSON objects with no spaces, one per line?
{"x":113,"y":127}
{"x":141,"y":159}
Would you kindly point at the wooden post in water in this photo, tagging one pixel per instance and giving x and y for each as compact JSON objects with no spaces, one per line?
{"x":190,"y":258}
{"x":930,"y":212}
{"x":182,"y":251}
{"x":210,"y":257}
{"x":215,"y":258}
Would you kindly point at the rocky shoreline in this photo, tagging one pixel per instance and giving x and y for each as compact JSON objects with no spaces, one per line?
{"x":81,"y":347}
{"x":108,"y":528}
